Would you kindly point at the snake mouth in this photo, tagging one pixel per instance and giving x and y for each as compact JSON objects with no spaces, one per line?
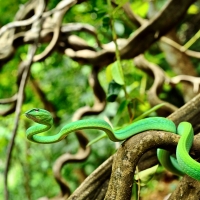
{"x":27,"y":115}
{"x":30,"y":117}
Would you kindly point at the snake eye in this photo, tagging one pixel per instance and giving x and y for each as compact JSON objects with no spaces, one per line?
{"x":36,"y":109}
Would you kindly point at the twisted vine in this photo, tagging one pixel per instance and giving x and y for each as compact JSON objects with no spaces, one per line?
{"x":83,"y":151}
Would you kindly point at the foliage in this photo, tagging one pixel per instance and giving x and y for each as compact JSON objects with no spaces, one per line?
{"x":65,"y":84}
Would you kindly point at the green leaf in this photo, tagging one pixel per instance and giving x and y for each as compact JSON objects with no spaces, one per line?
{"x":146,"y":175}
{"x":122,"y":107}
{"x":140,"y":8}
{"x":109,"y":76}
{"x":106,"y":22}
{"x":113,"y":91}
{"x":117,"y":73}
{"x":193,"y":9}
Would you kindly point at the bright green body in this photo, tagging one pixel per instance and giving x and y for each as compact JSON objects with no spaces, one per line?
{"x":185,"y":163}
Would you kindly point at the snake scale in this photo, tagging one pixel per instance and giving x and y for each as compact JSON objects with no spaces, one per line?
{"x":183,"y":164}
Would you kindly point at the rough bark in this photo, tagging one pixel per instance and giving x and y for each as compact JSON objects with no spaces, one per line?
{"x":128,"y":155}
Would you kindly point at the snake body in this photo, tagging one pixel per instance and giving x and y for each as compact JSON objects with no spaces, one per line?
{"x":183,"y":165}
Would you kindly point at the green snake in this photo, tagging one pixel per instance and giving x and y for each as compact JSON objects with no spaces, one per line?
{"x":183,"y":164}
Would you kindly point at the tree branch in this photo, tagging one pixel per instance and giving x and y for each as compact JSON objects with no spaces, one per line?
{"x":128,"y":155}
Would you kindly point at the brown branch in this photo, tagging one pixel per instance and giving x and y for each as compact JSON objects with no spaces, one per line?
{"x":9,"y":100}
{"x":7,"y":35}
{"x":174,"y":55}
{"x":7,"y":32}
{"x":83,"y":151}
{"x":91,"y":184}
{"x":146,"y":35}
{"x":74,"y":42}
{"x":37,"y":5}
{"x":135,"y":19}
{"x":66,"y":158}
{"x":130,"y":152}
{"x":9,"y":111}
{"x":56,"y":20}
{"x":186,"y":184}
{"x":27,"y":63}
{"x":195,"y":81}
{"x":71,"y":27}
{"x":140,"y":21}
{"x":12,"y":100}
{"x":127,"y":157}
{"x":181,"y":48}
{"x":159,"y":79}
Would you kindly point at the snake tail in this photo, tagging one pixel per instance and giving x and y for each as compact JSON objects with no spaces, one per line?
{"x":186,"y":162}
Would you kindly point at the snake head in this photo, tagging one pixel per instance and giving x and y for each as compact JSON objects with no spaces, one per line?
{"x":40,"y":116}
